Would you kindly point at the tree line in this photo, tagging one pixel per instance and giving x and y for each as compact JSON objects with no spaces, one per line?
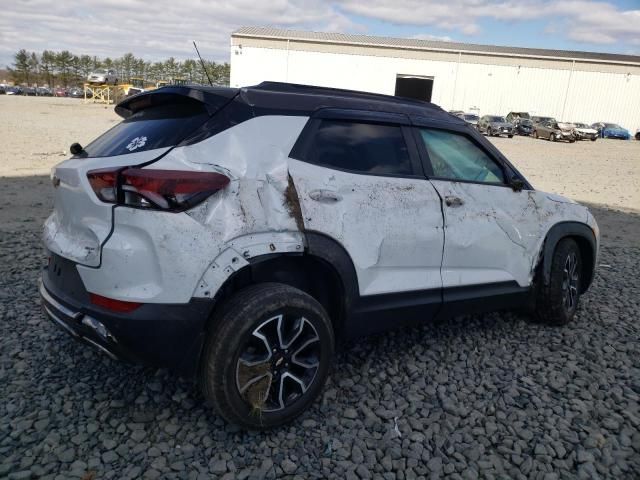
{"x":66,"y":69}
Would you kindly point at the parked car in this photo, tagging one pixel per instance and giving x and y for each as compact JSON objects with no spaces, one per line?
{"x":524,"y":126}
{"x":638,"y":134}
{"x":3,"y":89}
{"x":103,"y":76}
{"x":14,"y":91}
{"x":554,"y":131}
{"x":611,"y":130}
{"x":470,"y":118}
{"x":238,"y":234}
{"x":30,"y":91}
{"x":44,"y":92}
{"x":536,"y":120}
{"x":514,"y":116}
{"x":495,"y":125}
{"x":75,"y":93}
{"x":583,"y":131}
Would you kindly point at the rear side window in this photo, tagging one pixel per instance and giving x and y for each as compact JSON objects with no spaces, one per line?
{"x":361,"y":147}
{"x":454,"y":156}
{"x":154,"y":127}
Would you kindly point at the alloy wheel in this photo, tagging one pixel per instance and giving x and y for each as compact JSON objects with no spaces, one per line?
{"x":570,"y":282}
{"x":278,"y":362}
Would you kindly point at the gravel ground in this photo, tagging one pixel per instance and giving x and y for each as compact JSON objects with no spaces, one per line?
{"x":489,"y":396}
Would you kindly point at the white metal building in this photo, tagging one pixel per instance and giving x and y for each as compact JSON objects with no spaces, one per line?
{"x":569,"y":85}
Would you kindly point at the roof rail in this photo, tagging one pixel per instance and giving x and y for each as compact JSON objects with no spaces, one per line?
{"x":338,"y":92}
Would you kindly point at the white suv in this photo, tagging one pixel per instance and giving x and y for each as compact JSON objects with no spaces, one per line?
{"x":236,"y":234}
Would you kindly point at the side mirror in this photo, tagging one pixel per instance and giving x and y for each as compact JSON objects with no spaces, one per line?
{"x":76,"y":148}
{"x":516,"y":184}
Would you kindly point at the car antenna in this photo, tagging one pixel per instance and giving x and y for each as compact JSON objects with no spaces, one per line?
{"x":202,"y":63}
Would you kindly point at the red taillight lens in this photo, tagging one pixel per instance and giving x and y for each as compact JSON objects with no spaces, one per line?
{"x":114,"y":305}
{"x":174,"y":190}
{"x":104,"y":183}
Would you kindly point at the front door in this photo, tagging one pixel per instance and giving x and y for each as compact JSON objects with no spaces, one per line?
{"x":491,"y":236}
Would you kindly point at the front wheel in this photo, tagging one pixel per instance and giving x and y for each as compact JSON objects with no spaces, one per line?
{"x":535,"y":134}
{"x":557,"y":302}
{"x":593,"y":139}
{"x":267,"y":356}
{"x":510,"y":136}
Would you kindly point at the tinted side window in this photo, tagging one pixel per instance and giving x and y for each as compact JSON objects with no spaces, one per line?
{"x":456,"y":157}
{"x":362,"y":147}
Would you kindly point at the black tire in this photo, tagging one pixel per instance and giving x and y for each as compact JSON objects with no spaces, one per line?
{"x":510,"y":136}
{"x":552,"y":137}
{"x":553,"y":306}
{"x":535,"y":134}
{"x":595,"y":138}
{"x":243,"y":327}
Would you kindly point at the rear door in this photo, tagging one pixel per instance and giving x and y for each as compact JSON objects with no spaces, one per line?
{"x":360,"y":181}
{"x":490,"y":234}
{"x":80,"y":222}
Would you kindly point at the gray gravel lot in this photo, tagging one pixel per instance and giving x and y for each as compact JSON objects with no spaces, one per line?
{"x":489,"y":396}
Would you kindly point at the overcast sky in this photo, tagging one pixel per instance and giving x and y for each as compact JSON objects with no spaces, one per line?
{"x":157,"y":29}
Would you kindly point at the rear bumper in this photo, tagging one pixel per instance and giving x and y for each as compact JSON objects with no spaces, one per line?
{"x":159,"y":335}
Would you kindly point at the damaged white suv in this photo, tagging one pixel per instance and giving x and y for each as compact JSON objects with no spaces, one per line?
{"x":236,"y":234}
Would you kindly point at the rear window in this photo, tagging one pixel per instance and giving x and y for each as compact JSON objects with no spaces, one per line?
{"x":154,"y":127}
{"x":362,"y":147}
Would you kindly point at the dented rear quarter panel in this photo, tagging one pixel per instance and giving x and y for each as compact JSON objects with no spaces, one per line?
{"x":171,"y":257}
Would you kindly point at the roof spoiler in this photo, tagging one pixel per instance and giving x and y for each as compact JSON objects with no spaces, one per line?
{"x":213,"y":98}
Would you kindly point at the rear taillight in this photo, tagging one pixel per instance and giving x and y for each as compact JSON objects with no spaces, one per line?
{"x":104,"y":183}
{"x":173,"y":190}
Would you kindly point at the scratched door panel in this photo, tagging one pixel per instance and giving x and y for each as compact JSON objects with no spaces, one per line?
{"x":496,"y":234}
{"x":391,"y":227}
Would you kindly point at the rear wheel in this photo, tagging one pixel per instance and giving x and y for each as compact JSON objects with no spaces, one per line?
{"x":268,"y":356}
{"x":593,"y":139}
{"x":552,"y":137}
{"x":535,"y":134}
{"x":557,"y":302}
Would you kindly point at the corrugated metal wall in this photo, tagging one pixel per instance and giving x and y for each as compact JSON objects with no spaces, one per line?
{"x":585,"y":92}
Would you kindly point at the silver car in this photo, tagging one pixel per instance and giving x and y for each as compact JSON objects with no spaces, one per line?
{"x":103,"y":76}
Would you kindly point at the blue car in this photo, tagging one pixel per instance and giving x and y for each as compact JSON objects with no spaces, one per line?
{"x":611,"y":130}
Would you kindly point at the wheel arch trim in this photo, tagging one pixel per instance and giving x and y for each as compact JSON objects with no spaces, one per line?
{"x":563,"y":230}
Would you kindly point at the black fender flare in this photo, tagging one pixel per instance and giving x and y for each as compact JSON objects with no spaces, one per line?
{"x":332,"y":252}
{"x":569,"y":229}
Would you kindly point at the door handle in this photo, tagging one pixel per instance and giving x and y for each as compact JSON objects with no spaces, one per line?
{"x":452,"y":201}
{"x":325,"y":196}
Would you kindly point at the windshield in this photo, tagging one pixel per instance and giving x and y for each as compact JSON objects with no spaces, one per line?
{"x":580,"y":125}
{"x":471,"y":117}
{"x":612,"y":125}
{"x":566,"y":125}
{"x":526,"y":122}
{"x":497,"y":119}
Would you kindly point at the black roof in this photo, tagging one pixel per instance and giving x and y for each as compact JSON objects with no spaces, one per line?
{"x":285,"y":99}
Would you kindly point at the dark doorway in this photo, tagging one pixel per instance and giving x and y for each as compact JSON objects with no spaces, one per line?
{"x":419,"y":88}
